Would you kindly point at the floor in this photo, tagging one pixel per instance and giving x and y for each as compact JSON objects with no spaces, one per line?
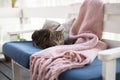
{"x":6,"y":70}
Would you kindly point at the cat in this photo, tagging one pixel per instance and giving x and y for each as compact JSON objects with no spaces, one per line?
{"x":52,"y":34}
{"x":45,"y":38}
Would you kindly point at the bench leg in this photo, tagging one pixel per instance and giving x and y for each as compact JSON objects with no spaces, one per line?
{"x":16,"y":70}
{"x":109,"y":70}
{"x":7,"y":59}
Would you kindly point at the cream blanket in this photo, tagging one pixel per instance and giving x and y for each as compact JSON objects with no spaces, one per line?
{"x":85,"y":35}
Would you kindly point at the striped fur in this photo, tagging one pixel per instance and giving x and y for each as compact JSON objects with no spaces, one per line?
{"x":45,"y":38}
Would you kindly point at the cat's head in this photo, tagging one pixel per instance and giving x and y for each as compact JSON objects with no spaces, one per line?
{"x":41,"y":37}
{"x":45,"y":38}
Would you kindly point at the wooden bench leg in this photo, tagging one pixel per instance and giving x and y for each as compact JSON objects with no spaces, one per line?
{"x":15,"y":70}
{"x":109,"y":70}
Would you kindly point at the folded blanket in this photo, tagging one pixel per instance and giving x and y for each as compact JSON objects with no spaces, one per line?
{"x":85,"y":35}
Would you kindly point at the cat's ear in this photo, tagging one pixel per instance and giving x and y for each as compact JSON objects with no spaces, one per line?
{"x":60,"y":29}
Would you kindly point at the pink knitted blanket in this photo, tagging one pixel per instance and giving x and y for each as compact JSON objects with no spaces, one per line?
{"x":86,"y":34}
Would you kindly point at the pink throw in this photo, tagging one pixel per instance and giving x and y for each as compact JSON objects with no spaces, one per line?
{"x":86,"y":34}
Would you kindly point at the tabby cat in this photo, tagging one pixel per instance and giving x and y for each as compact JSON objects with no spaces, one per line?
{"x":45,"y":38}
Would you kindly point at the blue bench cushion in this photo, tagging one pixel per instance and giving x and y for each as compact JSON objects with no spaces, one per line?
{"x":21,"y":51}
